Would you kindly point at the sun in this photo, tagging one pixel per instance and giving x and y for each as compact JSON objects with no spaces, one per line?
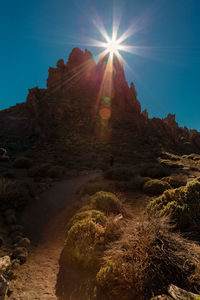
{"x":113,"y":46}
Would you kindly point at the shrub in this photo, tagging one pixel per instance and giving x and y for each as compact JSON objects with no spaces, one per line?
{"x":181,"y":204}
{"x":91,"y":188}
{"x":106,"y":202}
{"x":13,"y":194}
{"x":154,"y":171}
{"x":167,"y":155}
{"x":155,"y":187}
{"x":93,"y":215}
{"x":176,"y":180}
{"x":137,"y":182}
{"x":171,"y":164}
{"x":145,"y":260}
{"x":119,"y":174}
{"x":56,"y":172}
{"x":85,"y":243}
{"x":22,"y":163}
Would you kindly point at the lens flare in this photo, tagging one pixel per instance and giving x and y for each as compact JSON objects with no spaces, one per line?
{"x":105,"y":113}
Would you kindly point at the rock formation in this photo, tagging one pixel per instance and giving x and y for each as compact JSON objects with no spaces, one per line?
{"x":80,"y":99}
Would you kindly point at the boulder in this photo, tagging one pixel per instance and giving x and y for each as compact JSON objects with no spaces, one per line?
{"x":180,"y":294}
{"x":4,"y":263}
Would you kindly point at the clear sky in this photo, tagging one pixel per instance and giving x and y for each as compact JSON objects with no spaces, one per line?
{"x":35,"y":34}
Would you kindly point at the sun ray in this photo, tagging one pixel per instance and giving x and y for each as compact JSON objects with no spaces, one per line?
{"x":99,"y":25}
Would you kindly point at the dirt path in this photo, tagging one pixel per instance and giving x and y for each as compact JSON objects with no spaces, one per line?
{"x":45,"y":223}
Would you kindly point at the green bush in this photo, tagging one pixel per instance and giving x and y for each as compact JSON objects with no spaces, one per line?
{"x":145,"y":260}
{"x":22,"y":163}
{"x":13,"y":194}
{"x":181,"y":204}
{"x":154,"y":171}
{"x":85,"y":243}
{"x":119,"y":174}
{"x":106,"y":202}
{"x":93,"y":215}
{"x":155,"y":187}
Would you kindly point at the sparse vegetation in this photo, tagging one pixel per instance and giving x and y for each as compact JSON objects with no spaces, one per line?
{"x":181,"y":204}
{"x":156,"y":187}
{"x":154,"y":171}
{"x":145,"y":260}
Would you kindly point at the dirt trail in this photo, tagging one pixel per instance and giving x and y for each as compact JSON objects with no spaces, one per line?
{"x":45,"y":223}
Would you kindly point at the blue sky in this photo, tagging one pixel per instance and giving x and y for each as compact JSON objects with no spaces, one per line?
{"x":35,"y":34}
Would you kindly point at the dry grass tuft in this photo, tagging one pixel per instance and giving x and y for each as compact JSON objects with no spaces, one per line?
{"x":145,"y":260}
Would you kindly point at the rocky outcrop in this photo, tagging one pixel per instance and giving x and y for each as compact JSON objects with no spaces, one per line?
{"x":72,"y":102}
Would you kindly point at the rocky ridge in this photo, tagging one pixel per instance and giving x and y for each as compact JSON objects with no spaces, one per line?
{"x":71,"y":105}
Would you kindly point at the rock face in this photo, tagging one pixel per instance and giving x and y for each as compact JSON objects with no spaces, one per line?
{"x":180,"y":294}
{"x":81,"y":97}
